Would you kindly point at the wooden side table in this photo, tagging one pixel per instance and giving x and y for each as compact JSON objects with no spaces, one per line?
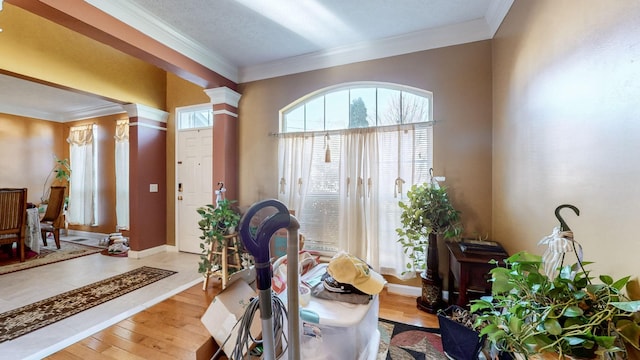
{"x":471,"y":271}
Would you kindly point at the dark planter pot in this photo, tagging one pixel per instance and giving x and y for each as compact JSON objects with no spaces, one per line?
{"x":458,"y":341}
{"x":431,"y":298}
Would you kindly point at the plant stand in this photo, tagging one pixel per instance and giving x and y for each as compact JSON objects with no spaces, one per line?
{"x":431,"y":299}
{"x":228,"y":248}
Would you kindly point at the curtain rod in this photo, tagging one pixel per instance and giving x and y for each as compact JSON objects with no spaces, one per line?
{"x":370,"y":128}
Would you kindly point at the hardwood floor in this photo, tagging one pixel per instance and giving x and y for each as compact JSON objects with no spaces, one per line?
{"x":172,"y":329}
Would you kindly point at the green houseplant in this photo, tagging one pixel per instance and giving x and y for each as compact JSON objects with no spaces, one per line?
{"x":217,"y":221}
{"x":530,"y":313}
{"x":62,"y":174}
{"x":426,"y":214}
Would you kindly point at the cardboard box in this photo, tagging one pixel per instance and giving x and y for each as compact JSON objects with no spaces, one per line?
{"x":225,"y":312}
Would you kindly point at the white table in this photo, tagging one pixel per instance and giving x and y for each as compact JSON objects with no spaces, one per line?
{"x":32,"y":233}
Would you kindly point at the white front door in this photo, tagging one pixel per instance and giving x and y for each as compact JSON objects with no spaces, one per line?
{"x":194,"y":158}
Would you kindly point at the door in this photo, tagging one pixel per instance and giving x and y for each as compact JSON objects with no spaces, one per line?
{"x":194,"y":158}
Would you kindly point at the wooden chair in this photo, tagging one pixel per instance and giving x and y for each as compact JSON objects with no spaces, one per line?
{"x":13,"y":212}
{"x":53,"y":219}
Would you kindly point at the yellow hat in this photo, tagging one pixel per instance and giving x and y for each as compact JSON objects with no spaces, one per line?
{"x":348,"y":269}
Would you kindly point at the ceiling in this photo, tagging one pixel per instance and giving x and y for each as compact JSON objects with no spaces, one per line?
{"x":247,"y":40}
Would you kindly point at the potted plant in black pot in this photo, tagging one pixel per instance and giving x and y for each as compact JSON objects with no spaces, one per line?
{"x":568,"y":316}
{"x":427,"y":214}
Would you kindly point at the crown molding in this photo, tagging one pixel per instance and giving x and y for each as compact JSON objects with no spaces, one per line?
{"x":496,"y":12}
{"x":62,"y":117}
{"x":136,"y":17}
{"x":474,"y":30}
{"x":466,"y":32}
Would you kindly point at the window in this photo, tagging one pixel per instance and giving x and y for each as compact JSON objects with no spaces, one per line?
{"x":196,"y":117}
{"x":347,"y":155}
{"x":83,"y":184}
{"x":122,"y":174}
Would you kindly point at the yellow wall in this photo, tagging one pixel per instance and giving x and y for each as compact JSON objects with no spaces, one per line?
{"x":566,"y":129}
{"x":458,"y":76}
{"x":179,"y":93}
{"x":40,"y":49}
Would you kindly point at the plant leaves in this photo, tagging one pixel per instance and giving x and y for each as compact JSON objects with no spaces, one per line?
{"x":500,"y":280}
{"x":553,"y":326}
{"x":606,"y":279}
{"x":572,"y":311}
{"x":573,"y":340}
{"x":605,"y":341}
{"x":620,"y":284}
{"x":629,"y":306}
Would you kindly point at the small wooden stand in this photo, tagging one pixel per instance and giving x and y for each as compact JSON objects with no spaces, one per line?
{"x":229,"y":255}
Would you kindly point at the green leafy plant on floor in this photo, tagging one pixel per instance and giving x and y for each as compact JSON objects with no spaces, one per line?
{"x":529,"y":313}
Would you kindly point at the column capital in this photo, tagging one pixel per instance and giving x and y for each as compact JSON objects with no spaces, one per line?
{"x":223,"y":95}
{"x":146,"y":112}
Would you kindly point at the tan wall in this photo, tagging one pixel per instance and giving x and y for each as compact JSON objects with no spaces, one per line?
{"x":459,"y":77}
{"x":179,"y":93}
{"x":566,"y":130}
{"x":37,"y":48}
{"x":28,"y":148}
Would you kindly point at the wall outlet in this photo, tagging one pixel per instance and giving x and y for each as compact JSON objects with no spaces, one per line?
{"x":153,"y":187}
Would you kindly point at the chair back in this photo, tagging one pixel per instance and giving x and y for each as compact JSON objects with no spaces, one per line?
{"x":55,"y":204}
{"x":13,"y":210}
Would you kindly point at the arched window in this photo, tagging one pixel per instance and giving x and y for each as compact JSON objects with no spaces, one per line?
{"x":347,"y":155}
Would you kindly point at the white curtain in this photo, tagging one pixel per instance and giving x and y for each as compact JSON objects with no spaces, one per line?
{"x":295,"y":157}
{"x":82,"y":184}
{"x":359,"y":194}
{"x":122,"y":174}
{"x":351,"y":202}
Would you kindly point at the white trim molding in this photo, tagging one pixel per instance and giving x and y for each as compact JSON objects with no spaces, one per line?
{"x":137,"y":17}
{"x":225,"y":112}
{"x":223,"y":95}
{"x":133,"y":254}
{"x":147,"y":112}
{"x":148,"y":126}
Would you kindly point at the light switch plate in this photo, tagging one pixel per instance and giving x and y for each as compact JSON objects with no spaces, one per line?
{"x":153,"y":187}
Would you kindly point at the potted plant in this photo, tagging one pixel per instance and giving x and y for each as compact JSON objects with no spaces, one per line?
{"x":216,"y":223}
{"x":569,"y":315}
{"x":426,"y":214}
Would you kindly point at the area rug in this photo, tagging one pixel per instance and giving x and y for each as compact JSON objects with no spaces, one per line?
{"x":23,"y":320}
{"x":407,"y":342}
{"x":48,"y":255}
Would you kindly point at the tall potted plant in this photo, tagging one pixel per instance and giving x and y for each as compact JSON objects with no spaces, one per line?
{"x":427,"y":214}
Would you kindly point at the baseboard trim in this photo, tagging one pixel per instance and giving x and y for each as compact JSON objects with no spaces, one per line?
{"x":86,"y":234}
{"x":147,"y":252}
{"x":406,"y":290}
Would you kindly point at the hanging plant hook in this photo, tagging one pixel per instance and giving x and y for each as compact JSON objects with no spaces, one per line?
{"x":563,"y":224}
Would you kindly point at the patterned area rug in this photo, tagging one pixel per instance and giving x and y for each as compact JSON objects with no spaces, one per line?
{"x":34,"y":316}
{"x":407,"y":342}
{"x":48,"y":255}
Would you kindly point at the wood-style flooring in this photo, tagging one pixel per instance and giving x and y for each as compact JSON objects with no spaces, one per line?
{"x":172,"y":329}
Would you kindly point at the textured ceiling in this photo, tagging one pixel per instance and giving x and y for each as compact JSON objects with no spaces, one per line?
{"x":246,"y":40}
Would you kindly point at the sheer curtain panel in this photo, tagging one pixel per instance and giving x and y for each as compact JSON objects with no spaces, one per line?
{"x":122,"y":174}
{"x":82,"y":185}
{"x":345,"y":188}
